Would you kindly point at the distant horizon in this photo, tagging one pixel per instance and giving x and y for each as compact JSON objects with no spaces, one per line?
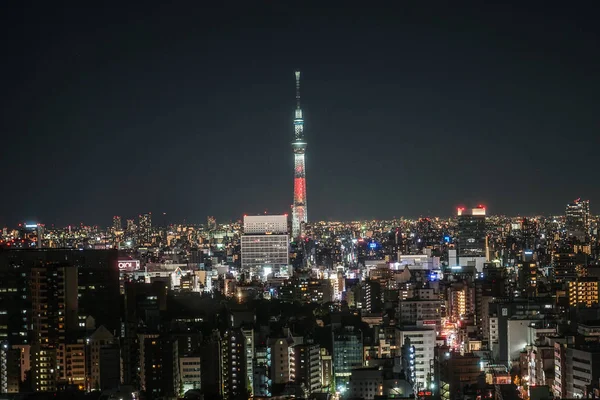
{"x":219,"y":221}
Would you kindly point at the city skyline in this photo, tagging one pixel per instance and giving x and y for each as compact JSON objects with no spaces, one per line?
{"x":155,"y":241}
{"x":163,"y":221}
{"x":406,"y":114}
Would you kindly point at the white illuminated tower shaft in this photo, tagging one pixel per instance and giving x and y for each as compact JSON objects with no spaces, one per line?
{"x":299,"y":213}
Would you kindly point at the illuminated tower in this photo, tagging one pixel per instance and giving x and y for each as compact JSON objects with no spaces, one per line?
{"x":299,"y":213}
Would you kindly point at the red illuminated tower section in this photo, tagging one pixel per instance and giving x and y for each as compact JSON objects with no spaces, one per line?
{"x":299,"y":213}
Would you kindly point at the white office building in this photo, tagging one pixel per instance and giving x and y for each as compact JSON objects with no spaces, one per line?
{"x":265,"y":245}
{"x":423,"y":340}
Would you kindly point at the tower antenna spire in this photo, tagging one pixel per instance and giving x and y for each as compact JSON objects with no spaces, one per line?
{"x":297,"y":89}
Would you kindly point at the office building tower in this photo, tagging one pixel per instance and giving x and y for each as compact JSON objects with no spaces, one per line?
{"x":117,"y":226}
{"x":299,"y":211}
{"x":577,"y":221}
{"x":347,"y":352}
{"x":190,"y":371}
{"x":161,"y":364}
{"x":265,"y":245}
{"x":145,"y":228}
{"x":472,"y":237}
{"x":130,"y":225}
{"x":471,"y":232}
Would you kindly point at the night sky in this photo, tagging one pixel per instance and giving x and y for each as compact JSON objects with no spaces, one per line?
{"x":188,"y":110}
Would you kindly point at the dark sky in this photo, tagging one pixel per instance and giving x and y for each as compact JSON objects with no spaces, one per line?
{"x":188,"y":110}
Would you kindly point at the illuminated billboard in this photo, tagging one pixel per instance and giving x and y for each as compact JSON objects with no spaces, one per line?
{"x":129,"y":265}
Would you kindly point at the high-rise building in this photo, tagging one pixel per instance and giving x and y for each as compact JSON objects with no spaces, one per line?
{"x":347,"y":352}
{"x":282,"y":367}
{"x":453,"y":371}
{"x":326,"y":369}
{"x":471,"y":232}
{"x":189,"y":368}
{"x":15,"y":303}
{"x":307,"y":359}
{"x":161,"y":364}
{"x":564,"y":267}
{"x":264,"y":245}
{"x":143,"y":302}
{"x":211,"y":223}
{"x":577,"y":221}
{"x":233,"y":365}
{"x":10,"y":368}
{"x":472,"y":237}
{"x":422,"y":343}
{"x":299,"y":212}
{"x":527,"y":268}
{"x":583,"y":292}
{"x":54,"y":321}
{"x":71,"y":362}
{"x":117,"y":226}
{"x":54,"y":304}
{"x":582,"y":370}
{"x":98,"y":278}
{"x":145,"y":226}
{"x":371,"y":297}
{"x":103,"y":360}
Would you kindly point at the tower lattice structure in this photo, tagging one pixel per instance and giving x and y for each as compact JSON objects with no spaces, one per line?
{"x":299,"y":212}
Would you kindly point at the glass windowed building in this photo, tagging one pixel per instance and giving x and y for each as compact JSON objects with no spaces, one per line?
{"x":265,"y":245}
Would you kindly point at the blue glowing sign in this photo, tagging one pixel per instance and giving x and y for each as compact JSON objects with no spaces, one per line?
{"x":373,"y":245}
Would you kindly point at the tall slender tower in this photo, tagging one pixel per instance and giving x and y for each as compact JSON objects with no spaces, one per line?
{"x":299,"y":214}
